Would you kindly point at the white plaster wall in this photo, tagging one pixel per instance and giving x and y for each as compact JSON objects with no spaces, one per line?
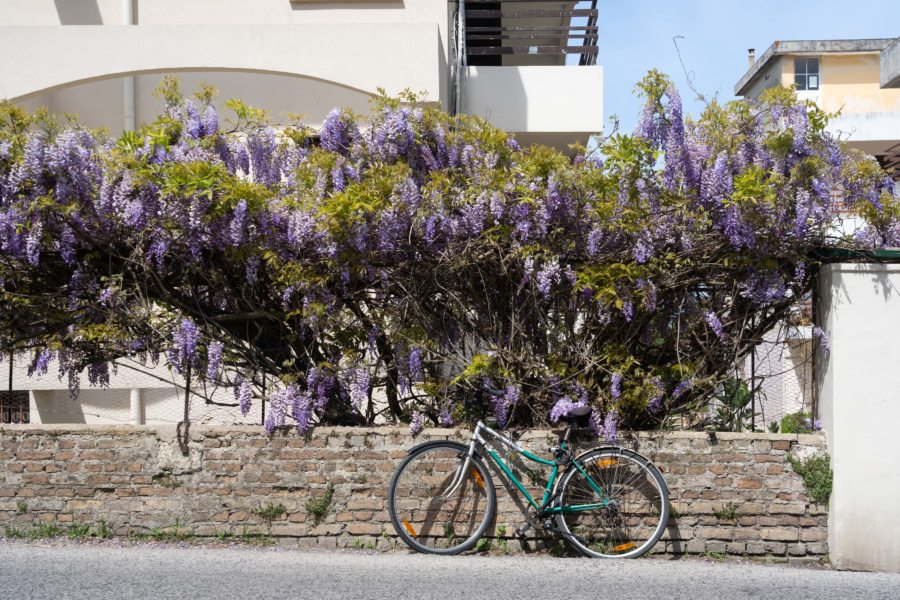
{"x":129,"y":374}
{"x":162,"y":395}
{"x":859,"y":403}
{"x":223,"y":12}
{"x":61,"y":12}
{"x":393,"y":56}
{"x":160,"y":406}
{"x":538,"y":98}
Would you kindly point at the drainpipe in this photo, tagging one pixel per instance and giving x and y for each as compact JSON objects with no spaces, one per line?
{"x":128,"y":82}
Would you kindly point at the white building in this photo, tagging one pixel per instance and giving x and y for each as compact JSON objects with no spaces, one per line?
{"x":528,"y":67}
{"x":101,"y":59}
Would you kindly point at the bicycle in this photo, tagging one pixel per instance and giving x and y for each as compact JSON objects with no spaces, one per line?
{"x":607,"y":502}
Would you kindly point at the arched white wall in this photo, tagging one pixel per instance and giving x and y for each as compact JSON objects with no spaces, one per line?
{"x":100,"y":103}
{"x":363,"y":57}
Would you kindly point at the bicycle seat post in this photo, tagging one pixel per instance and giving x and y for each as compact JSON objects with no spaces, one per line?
{"x":564,"y":437}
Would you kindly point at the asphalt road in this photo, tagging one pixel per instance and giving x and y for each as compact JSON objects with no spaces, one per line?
{"x":115,"y":572}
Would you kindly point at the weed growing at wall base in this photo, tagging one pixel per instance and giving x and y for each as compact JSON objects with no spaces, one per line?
{"x":79,"y":531}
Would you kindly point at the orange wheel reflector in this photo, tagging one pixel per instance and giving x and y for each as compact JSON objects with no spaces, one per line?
{"x":478,"y":478}
{"x":623,"y":547}
{"x":409,"y":528}
{"x":608,"y":462}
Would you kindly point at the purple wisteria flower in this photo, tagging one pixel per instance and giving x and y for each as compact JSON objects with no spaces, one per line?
{"x":319,"y":386}
{"x":417,"y":423}
{"x":611,"y":426}
{"x":819,"y":334}
{"x":40,"y":363}
{"x":615,"y":386}
{"x":192,"y":121}
{"x":415,"y":364}
{"x":681,"y":388}
{"x":98,"y":374}
{"x":262,"y":145}
{"x":301,"y":407}
{"x":628,"y":310}
{"x":360,"y":382}
{"x":655,"y":403}
{"x":251,"y":269}
{"x":549,"y":275}
{"x":238,"y":222}
{"x":716,"y":325}
{"x":504,"y":403}
{"x":243,"y":394}
{"x":445,"y":419}
{"x":184,"y":341}
{"x":563,"y":407}
{"x":338,"y":132}
{"x":214,"y":360}
{"x":209,"y":122}
{"x":596,"y":423}
{"x":33,"y":244}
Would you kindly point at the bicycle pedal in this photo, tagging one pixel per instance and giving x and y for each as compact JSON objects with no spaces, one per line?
{"x":520,"y":532}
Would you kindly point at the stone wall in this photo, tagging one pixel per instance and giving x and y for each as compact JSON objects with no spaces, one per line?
{"x":731,"y":492}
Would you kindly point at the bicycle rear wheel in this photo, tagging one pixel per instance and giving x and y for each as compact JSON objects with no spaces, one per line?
{"x":427,"y":521}
{"x":621,"y":512}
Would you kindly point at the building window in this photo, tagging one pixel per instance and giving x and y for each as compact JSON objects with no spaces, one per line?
{"x":14,"y":407}
{"x":806,"y":73}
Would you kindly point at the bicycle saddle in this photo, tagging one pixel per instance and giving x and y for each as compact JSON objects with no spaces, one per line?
{"x":579,"y":413}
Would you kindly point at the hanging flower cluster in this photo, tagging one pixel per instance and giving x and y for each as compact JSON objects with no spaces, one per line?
{"x":422,"y":267}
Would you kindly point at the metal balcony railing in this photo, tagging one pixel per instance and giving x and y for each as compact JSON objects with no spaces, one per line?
{"x":525,"y":32}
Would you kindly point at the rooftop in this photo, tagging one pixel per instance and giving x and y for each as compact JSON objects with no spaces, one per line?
{"x":806,"y":46}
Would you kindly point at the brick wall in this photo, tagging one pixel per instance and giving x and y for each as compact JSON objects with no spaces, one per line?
{"x":136,"y":479}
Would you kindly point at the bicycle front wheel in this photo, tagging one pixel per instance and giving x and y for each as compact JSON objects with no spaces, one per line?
{"x":615,"y":506}
{"x":429,"y":512}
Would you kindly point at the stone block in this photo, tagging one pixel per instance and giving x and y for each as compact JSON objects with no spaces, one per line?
{"x":780,"y":535}
{"x":755,"y":549}
{"x":813,"y":535}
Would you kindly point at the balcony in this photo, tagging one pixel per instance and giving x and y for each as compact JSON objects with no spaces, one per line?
{"x":531,"y":68}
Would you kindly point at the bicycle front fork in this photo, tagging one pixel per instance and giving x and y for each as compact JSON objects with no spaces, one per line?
{"x":460,"y":473}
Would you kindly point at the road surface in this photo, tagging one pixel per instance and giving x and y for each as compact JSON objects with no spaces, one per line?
{"x":120,"y":571}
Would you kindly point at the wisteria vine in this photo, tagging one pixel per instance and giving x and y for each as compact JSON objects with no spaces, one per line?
{"x":419,"y":267}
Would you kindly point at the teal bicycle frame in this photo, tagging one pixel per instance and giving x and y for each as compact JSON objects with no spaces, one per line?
{"x":544,"y":508}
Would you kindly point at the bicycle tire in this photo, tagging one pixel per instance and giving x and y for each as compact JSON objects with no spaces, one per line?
{"x":637,"y":513}
{"x":424,"y":521}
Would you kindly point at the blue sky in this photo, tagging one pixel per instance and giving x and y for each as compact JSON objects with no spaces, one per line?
{"x":636,"y":35}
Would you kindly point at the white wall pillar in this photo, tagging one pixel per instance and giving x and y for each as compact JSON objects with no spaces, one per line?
{"x":859,"y":403}
{"x":137,"y":409}
{"x":128,"y":82}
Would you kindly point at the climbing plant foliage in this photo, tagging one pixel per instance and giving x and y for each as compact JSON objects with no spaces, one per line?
{"x":420,"y":267}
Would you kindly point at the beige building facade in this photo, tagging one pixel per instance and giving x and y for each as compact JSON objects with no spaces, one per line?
{"x":858,"y":80}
